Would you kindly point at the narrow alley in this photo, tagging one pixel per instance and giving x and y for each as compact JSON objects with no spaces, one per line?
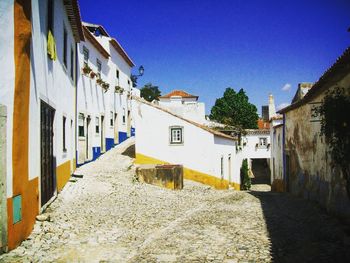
{"x":108,"y":216}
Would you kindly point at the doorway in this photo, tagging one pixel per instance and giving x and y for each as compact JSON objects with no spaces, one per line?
{"x":261,"y":171}
{"x":102,"y":134}
{"x":47,"y":159}
{"x":229,"y":169}
{"x":87,"y":138}
{"x":116,"y":131}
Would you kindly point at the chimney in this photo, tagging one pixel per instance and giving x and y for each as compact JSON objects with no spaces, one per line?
{"x":272,"y":109}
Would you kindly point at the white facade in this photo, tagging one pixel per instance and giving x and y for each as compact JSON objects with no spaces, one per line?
{"x":31,"y":84}
{"x":207,"y":156}
{"x":188,"y":108}
{"x":104,"y":116}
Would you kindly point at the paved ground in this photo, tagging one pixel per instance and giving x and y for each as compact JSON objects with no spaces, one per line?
{"x":109,"y":217}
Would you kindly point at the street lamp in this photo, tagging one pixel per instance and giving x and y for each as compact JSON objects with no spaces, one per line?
{"x":134,"y":77}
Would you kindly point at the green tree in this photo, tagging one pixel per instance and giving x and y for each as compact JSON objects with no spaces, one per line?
{"x":150,"y":92}
{"x":234,"y":109}
{"x":245,"y":179}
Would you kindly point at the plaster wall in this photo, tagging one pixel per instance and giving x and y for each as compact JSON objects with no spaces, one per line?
{"x":311,"y":174}
{"x":276,"y":161}
{"x":201,"y":151}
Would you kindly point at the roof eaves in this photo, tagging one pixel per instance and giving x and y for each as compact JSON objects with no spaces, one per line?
{"x":73,"y":14}
{"x":342,"y":63}
{"x":121,"y":51}
{"x":95,"y":43}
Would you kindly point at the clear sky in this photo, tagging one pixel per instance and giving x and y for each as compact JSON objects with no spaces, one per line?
{"x":205,"y":46}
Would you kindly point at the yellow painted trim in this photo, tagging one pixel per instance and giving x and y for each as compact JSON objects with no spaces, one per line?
{"x":74,"y":164}
{"x":190,"y":174}
{"x":62,"y":175}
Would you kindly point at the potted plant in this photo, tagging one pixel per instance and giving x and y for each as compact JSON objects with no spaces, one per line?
{"x":92,"y":74}
{"x":117,"y":89}
{"x":99,"y":81}
{"x":105,"y":86}
{"x":86,"y":69}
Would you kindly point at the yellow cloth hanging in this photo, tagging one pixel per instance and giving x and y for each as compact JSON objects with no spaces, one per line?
{"x":51,"y":46}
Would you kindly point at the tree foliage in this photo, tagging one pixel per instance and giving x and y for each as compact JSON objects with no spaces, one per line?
{"x":335,"y":126}
{"x":150,"y":92}
{"x":234,"y":109}
{"x":245,"y":179}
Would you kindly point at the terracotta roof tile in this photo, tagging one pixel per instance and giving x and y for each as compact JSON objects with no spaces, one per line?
{"x":179,"y":93}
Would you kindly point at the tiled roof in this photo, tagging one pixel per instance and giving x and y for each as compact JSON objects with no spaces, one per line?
{"x":73,"y":13}
{"x":257,"y":131}
{"x":339,"y":69}
{"x":203,"y":127}
{"x":263,"y":124}
{"x":95,"y":43}
{"x":178,"y":93}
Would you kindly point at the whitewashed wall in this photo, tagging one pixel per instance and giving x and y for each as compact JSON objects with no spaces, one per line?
{"x":7,"y":80}
{"x":201,"y":150}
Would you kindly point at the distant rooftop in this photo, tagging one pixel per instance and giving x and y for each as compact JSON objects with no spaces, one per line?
{"x":179,"y":93}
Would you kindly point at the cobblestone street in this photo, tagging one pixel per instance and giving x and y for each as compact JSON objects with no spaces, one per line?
{"x":108,"y":216}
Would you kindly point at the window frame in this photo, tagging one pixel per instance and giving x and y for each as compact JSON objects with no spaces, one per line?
{"x":179,"y":129}
{"x":99,"y":67}
{"x":97,"y":125}
{"x":86,"y":55}
{"x":262,"y":145}
{"x":72,"y":62}
{"x":111,"y":121}
{"x":80,"y":135}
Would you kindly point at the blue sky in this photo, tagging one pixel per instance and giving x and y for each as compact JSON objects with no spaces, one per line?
{"x":205,"y":46}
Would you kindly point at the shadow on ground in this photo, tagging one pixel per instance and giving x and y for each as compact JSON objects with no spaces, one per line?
{"x":300,"y":231}
{"x":130,"y":151}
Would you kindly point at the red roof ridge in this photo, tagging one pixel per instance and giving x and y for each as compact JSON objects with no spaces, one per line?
{"x":179,"y":93}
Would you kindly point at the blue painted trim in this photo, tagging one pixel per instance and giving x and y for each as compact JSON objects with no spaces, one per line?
{"x":133,"y":131}
{"x":96,"y":152}
{"x":122,"y":136}
{"x":109,"y":143}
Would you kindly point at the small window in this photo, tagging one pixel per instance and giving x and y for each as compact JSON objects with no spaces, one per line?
{"x":97,"y":125}
{"x":50,"y":13}
{"x":123,"y":115}
{"x":65,"y":39}
{"x":64,"y":134}
{"x":86,"y":55}
{"x":99,"y":67}
{"x":262,"y":142}
{"x":111,"y":120}
{"x":81,"y":125}
{"x":72,"y":63}
{"x":117,"y":74}
{"x":176,"y":135}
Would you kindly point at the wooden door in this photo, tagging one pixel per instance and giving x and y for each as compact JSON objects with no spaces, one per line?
{"x":47,"y":158}
{"x":102,"y":134}
{"x":88,"y":120}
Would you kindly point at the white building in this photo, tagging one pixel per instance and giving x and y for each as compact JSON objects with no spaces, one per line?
{"x":207,"y":156}
{"x":104,"y":88}
{"x":38,"y":87}
{"x":185,"y":105}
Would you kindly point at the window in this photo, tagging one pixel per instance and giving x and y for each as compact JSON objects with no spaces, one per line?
{"x":86,"y":55}
{"x":222,"y":167}
{"x":117,"y":74}
{"x":72,"y":63}
{"x":50,"y":13}
{"x":123,"y":115}
{"x":99,"y":67}
{"x":176,"y":135}
{"x":65,"y":46}
{"x":262,"y":142}
{"x":111,"y":120}
{"x":97,"y":125}
{"x":81,"y":125}
{"x":64,"y":134}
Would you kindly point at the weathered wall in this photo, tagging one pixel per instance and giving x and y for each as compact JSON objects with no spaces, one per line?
{"x":3,"y":201}
{"x":311,"y":174}
{"x":276,"y":161}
